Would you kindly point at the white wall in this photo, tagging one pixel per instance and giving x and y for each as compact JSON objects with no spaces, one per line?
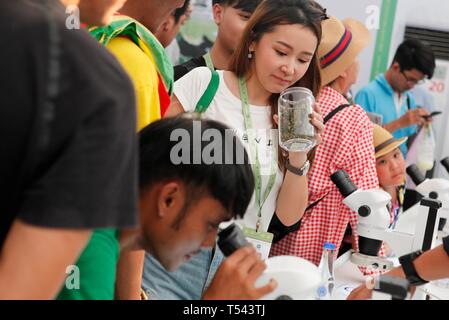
{"x":431,"y":14}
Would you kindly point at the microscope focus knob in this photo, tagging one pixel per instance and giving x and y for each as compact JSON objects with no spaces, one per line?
{"x":364,"y":211}
{"x":433,"y":195}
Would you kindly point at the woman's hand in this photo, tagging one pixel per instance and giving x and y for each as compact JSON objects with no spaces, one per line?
{"x":316,"y":119}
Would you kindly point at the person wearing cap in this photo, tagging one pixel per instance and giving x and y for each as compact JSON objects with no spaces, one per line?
{"x":388,"y":94}
{"x":347,"y":145}
{"x":390,"y":167}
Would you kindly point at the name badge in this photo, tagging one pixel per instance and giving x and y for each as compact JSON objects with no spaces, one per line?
{"x":261,"y":240}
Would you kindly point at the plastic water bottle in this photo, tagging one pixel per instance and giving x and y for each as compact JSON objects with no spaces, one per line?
{"x":326,"y":269}
{"x":426,"y":149}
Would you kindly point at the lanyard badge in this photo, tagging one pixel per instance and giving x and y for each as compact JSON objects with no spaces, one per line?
{"x":262,"y":240}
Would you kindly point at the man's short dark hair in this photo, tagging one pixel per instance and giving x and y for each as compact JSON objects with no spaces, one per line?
{"x":414,"y":54}
{"x":244,"y":5}
{"x":230,"y":184}
{"x":178,"y":13}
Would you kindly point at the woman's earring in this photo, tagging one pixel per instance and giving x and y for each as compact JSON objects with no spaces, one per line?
{"x":250,"y":55}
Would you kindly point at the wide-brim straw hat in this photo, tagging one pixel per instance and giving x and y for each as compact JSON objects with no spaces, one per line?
{"x":341,"y":43}
{"x":384,"y":142}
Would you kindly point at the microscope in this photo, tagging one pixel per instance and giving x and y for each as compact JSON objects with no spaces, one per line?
{"x":445,"y":163}
{"x":434,"y":188}
{"x":374,"y":220}
{"x":445,"y":214}
{"x":297,"y":278}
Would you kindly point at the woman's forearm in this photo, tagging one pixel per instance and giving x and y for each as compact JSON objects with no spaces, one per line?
{"x":293,"y":196}
{"x":431,"y":265}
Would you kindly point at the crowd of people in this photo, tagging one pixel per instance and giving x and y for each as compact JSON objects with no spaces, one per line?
{"x":89,"y":124}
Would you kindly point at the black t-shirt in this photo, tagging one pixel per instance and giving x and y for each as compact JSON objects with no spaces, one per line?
{"x":186,"y":67}
{"x":68,"y":149}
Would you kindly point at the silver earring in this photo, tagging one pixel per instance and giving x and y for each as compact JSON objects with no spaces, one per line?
{"x":250,"y":55}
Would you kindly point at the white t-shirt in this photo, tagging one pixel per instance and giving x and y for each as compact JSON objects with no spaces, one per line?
{"x":398,"y":100}
{"x":227,"y":108}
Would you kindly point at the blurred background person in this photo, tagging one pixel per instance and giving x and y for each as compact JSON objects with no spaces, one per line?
{"x":168,"y":30}
{"x":69,"y":146}
{"x":231,"y":17}
{"x":388,"y":94}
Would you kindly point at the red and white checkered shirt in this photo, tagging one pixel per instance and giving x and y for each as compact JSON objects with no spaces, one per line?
{"x":347,"y":144}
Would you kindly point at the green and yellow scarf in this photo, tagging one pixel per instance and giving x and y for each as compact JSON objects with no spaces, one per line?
{"x":144,"y":39}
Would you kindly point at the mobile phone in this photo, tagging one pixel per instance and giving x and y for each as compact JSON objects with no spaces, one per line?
{"x":435,"y":113}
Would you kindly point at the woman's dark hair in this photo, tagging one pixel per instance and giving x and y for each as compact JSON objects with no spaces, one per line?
{"x":413,"y":54}
{"x":229,"y":179}
{"x":268,"y":15}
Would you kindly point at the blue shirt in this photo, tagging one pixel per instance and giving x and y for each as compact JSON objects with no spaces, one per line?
{"x":378,"y":97}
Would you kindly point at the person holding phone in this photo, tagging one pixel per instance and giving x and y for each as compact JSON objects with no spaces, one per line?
{"x":389,"y":94}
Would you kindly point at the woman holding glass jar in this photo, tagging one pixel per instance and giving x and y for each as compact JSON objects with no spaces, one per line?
{"x":347,"y":145}
{"x":277,"y":51}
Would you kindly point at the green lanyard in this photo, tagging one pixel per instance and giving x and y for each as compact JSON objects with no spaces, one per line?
{"x":255,"y":155}
{"x":209,"y":62}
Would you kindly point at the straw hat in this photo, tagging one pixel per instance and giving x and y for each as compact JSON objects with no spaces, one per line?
{"x":341,"y":42}
{"x":384,"y":142}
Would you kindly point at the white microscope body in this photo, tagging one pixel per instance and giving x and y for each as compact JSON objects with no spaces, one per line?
{"x":374,"y":220}
{"x":433,"y":188}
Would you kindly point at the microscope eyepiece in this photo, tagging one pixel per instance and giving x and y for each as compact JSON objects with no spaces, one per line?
{"x":414,"y":173}
{"x":231,"y":239}
{"x":344,"y":184}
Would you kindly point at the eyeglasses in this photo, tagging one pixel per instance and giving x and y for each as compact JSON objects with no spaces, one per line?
{"x":412,"y":80}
